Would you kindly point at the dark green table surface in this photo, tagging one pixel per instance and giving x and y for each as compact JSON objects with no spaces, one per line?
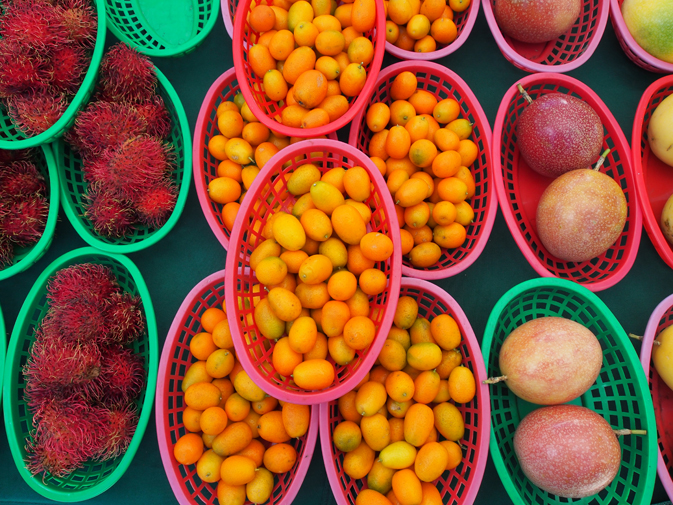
{"x":191,"y":252}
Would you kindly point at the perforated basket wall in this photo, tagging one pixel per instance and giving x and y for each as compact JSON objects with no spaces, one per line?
{"x":74,"y":187}
{"x":94,"y":477}
{"x":228,"y":8}
{"x":569,"y":51}
{"x":267,"y":195}
{"x":443,"y":83}
{"x":519,"y":188}
{"x":620,"y":394}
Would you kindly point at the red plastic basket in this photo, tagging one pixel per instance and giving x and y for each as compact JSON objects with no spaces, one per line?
{"x":519,"y":188}
{"x":228,"y":8}
{"x":464,"y":23}
{"x":175,"y":359}
{"x":222,"y":90}
{"x":242,"y":289}
{"x":662,"y":396}
{"x":636,"y":53}
{"x":444,"y":83}
{"x":460,"y":485}
{"x":269,"y":112}
{"x":566,"y":53}
{"x":654,"y":179}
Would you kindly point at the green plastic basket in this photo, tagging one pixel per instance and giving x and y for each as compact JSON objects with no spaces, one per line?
{"x":620,"y":394}
{"x":3,"y":349}
{"x":11,"y":138}
{"x":25,"y":257}
{"x":95,"y":477}
{"x":162,"y":27}
{"x":73,"y":185}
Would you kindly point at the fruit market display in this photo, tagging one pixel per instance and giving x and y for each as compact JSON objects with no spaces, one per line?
{"x":536,"y":21}
{"x":650,"y":24}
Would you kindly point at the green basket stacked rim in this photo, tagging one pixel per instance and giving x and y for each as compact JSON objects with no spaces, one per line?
{"x":25,"y":257}
{"x":94,"y":477}
{"x":162,"y":27}
{"x":73,"y":185}
{"x":11,"y":138}
{"x":620,"y":394}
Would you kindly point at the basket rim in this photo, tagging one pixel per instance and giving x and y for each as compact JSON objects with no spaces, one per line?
{"x":650,"y":221}
{"x":630,"y":358}
{"x":332,"y":392}
{"x":492,"y":203}
{"x":157,"y":235}
{"x":519,"y":61}
{"x":450,"y":48}
{"x":620,"y":141}
{"x":482,"y":394}
{"x":176,"y":51}
{"x":74,"y":257}
{"x":645,"y":360}
{"x":41,"y":246}
{"x":358,"y":101}
{"x":625,"y":34}
{"x":78,"y":101}
{"x":226,"y":17}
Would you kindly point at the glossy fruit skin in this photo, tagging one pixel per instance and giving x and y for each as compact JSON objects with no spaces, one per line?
{"x":536,"y":21}
{"x":580,"y":215}
{"x":558,"y":133}
{"x":650,"y":25}
{"x":660,"y":131}
{"x":567,"y":450}
{"x":662,"y":356}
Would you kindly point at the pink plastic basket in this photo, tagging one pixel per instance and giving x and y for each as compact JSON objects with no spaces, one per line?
{"x":464,"y":23}
{"x":460,"y":485}
{"x":269,"y":112}
{"x":444,"y":83}
{"x":205,"y":166}
{"x":662,"y":396}
{"x":564,"y":54}
{"x":266,"y":193}
{"x":228,"y":8}
{"x":654,"y":179}
{"x":519,"y":188}
{"x":636,"y":53}
{"x":175,"y":359}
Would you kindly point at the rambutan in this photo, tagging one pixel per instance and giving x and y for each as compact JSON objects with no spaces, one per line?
{"x":68,"y":64}
{"x":8,"y":156}
{"x":80,"y":21}
{"x":120,"y":425}
{"x":126,"y":318}
{"x":34,"y":113}
{"x":156,"y":116}
{"x":156,"y":205}
{"x":21,"y":179}
{"x":6,"y":249}
{"x":81,"y":320}
{"x":21,"y":69}
{"x":32,"y":23}
{"x":84,"y":281}
{"x":122,"y":374}
{"x":126,"y":75}
{"x":111,"y":217}
{"x":25,"y":220}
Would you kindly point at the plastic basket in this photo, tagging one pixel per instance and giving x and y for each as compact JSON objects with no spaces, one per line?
{"x":460,"y":485}
{"x":654,"y":179}
{"x":3,"y":349}
{"x":175,"y":359}
{"x":635,"y":53}
{"x":620,"y":393}
{"x":564,"y":54}
{"x":269,"y":112}
{"x":73,"y":185}
{"x":519,"y":188}
{"x":160,"y":27}
{"x":444,"y":83}
{"x":464,"y":23}
{"x":93,"y":478}
{"x":205,"y":166}
{"x":254,"y":351}
{"x":11,"y":138}
{"x":228,"y":8}
{"x":25,"y":257}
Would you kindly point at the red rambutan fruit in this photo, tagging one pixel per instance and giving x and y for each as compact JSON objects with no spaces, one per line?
{"x":34,"y":113}
{"x":84,"y":281}
{"x":6,"y":249}
{"x":155,"y":206}
{"x":80,"y":21}
{"x":21,"y":179}
{"x":111,"y":217}
{"x":25,"y":220}
{"x":81,"y":320}
{"x":120,"y":426}
{"x":68,"y":64}
{"x":32,"y":23}
{"x":126,"y":75}
{"x":126,"y":318}
{"x":8,"y":156}
{"x":156,"y":116}
{"x":122,"y":374}
{"x":22,"y":70}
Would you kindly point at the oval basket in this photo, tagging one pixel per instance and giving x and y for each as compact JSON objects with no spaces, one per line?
{"x":635,"y":53}
{"x":519,"y":188}
{"x":464,"y":23}
{"x":25,"y":257}
{"x":11,"y":138}
{"x":162,"y":28}
{"x":457,"y":486}
{"x":94,"y":477}
{"x":654,"y":179}
{"x":563,"y":54}
{"x":73,"y":185}
{"x":242,"y":289}
{"x":620,"y":394}
{"x":269,"y":112}
{"x":228,"y":8}
{"x":175,"y":360}
{"x":444,"y":83}
{"x":205,"y":166}
{"x":662,"y":396}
